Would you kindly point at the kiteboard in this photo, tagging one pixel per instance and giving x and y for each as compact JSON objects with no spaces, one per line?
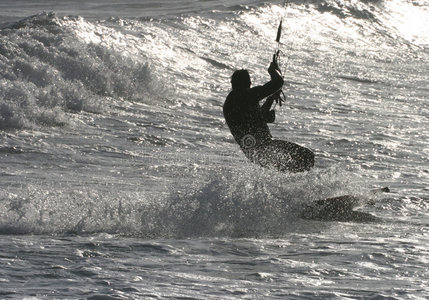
{"x":342,"y":208}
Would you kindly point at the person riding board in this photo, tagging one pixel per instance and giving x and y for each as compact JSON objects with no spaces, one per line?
{"x":247,"y":121}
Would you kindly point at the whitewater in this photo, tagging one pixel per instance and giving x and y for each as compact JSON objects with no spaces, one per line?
{"x":119,"y":178}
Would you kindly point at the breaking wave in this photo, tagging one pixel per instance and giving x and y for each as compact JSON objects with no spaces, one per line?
{"x":52,"y":66}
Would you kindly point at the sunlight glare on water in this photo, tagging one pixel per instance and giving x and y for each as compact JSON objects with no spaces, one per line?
{"x":410,"y":20}
{"x":119,"y":178}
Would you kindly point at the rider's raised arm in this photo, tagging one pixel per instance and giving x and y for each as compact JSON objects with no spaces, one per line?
{"x":271,"y":86}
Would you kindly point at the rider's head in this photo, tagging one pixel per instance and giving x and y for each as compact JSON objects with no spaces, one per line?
{"x":240,"y":80}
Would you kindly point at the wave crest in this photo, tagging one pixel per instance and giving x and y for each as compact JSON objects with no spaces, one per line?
{"x":49,"y":70}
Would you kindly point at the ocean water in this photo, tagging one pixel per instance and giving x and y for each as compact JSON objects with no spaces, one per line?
{"x":119,"y":178}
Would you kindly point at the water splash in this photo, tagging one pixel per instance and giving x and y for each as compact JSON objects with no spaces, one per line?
{"x":247,"y":203}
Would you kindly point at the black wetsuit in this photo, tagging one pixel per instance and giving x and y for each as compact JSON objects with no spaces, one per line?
{"x":245,"y":119}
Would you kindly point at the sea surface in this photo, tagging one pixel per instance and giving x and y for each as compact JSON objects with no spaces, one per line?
{"x":119,"y":178}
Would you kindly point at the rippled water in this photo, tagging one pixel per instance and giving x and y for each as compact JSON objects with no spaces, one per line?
{"x":119,"y":177}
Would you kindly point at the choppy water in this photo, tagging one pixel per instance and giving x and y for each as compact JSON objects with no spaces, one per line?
{"x":119,"y":177}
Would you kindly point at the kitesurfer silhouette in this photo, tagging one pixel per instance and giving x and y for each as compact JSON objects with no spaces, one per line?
{"x":247,"y":121}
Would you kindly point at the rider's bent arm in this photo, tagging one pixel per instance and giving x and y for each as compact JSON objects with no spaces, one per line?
{"x":271,"y":86}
